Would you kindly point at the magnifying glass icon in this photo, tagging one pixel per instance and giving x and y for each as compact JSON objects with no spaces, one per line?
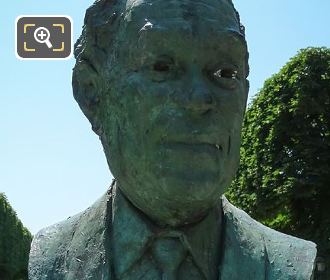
{"x":42,"y":35}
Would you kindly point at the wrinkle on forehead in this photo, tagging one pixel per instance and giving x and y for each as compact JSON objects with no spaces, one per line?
{"x":198,"y":13}
{"x":206,"y":24}
{"x":159,"y":33}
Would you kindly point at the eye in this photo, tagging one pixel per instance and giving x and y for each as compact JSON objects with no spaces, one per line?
{"x":227,"y":77}
{"x":161,"y":66}
{"x":162,"y":69}
{"x":226,"y":73}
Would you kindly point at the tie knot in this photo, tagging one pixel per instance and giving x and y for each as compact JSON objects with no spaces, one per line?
{"x":169,"y":254}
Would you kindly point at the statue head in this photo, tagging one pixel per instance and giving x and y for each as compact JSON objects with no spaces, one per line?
{"x":163,"y":83}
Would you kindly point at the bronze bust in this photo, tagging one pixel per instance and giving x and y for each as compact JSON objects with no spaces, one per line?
{"x":164,"y":85}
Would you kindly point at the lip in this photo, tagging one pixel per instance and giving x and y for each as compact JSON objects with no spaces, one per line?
{"x":194,"y":139}
{"x":194,"y":146}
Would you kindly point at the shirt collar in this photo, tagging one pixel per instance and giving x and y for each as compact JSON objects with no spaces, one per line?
{"x":201,"y":239}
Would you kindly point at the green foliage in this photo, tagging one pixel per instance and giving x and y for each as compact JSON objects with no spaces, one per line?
{"x":284,"y":175}
{"x":15,"y":243}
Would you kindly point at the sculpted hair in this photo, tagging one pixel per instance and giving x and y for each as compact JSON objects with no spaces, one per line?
{"x":94,"y":54}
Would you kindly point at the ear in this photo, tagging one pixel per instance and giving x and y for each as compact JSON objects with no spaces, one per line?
{"x":87,"y":90}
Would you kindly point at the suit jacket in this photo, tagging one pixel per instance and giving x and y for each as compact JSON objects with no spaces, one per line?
{"x":79,"y":248}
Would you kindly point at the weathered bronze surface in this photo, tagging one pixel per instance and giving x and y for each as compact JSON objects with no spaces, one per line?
{"x":164,"y":85}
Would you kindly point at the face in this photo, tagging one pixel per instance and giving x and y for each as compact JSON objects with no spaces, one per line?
{"x":173,"y":115}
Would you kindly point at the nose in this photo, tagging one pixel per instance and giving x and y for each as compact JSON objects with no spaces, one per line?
{"x":200,"y":99}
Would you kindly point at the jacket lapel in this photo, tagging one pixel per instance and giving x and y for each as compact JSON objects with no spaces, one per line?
{"x":88,"y":256}
{"x":244,"y":255}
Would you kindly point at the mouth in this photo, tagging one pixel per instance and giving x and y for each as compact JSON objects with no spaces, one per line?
{"x":195,"y":147}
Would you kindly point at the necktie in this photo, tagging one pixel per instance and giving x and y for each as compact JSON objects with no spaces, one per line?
{"x":169,"y":253}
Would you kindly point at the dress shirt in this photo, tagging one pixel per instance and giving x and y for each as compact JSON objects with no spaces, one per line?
{"x":134,"y":233}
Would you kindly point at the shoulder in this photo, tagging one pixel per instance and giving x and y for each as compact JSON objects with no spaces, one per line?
{"x":72,"y":248}
{"x":48,"y":246}
{"x":263,"y":253}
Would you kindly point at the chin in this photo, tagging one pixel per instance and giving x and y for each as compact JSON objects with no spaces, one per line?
{"x":187,"y":178}
{"x":180,"y":192}
{"x":188,"y":212}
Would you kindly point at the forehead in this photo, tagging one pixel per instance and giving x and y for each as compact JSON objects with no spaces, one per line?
{"x":200,"y":18}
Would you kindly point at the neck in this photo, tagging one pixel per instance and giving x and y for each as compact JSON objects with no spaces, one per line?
{"x":165,"y":215}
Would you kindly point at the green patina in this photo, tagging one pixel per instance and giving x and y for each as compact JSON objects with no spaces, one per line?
{"x":164,"y":86}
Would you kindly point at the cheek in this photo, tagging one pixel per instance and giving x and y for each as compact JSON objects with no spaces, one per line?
{"x":135,"y":107}
{"x":142,"y":101}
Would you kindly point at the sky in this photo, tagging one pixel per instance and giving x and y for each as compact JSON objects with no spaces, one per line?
{"x":52,"y":165}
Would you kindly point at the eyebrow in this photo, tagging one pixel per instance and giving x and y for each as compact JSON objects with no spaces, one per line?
{"x":160,"y":31}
